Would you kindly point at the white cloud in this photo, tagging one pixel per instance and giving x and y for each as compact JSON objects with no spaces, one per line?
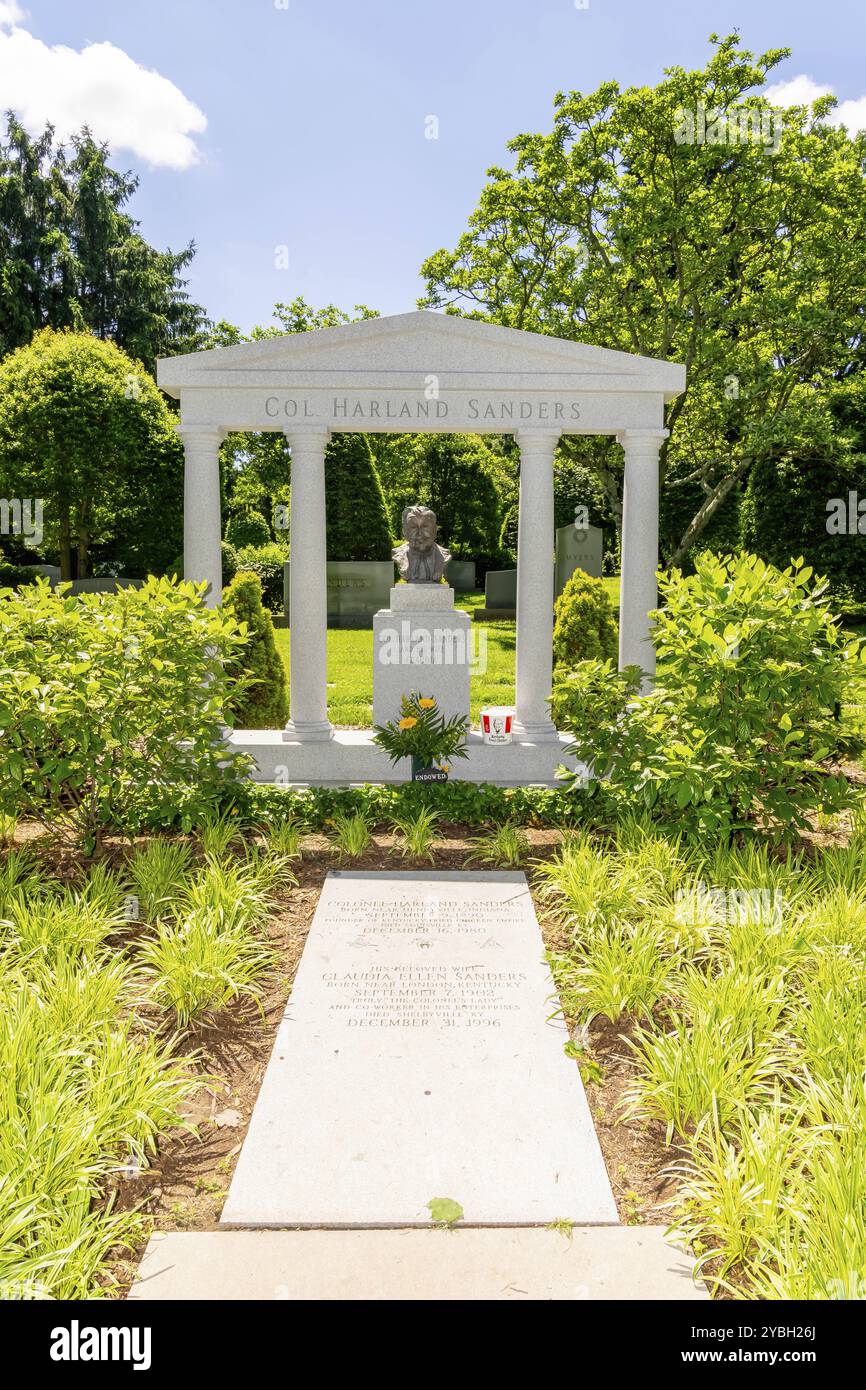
{"x":10,"y":13}
{"x":123,"y":103}
{"x":802,"y":90}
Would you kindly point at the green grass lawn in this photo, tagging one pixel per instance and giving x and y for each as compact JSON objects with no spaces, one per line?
{"x":350,"y":664}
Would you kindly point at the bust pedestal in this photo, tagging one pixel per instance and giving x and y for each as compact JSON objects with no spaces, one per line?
{"x":421,"y":643}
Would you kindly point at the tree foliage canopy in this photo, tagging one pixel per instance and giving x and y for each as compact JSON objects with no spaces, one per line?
{"x":744,"y":260}
{"x":84,"y":428}
{"x":72,"y":257}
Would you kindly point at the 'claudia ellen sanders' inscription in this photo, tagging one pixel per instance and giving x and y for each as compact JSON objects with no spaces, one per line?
{"x":423,"y":996}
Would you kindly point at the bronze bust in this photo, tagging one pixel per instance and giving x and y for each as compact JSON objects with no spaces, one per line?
{"x":419,"y":559}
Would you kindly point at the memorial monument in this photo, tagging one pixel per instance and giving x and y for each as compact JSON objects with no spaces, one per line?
{"x":421,"y":643}
{"x":373,"y":376}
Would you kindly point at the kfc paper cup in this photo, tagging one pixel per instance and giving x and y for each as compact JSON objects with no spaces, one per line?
{"x":496,"y":724}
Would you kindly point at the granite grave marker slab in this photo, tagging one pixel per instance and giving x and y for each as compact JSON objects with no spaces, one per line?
{"x":417,"y":1058}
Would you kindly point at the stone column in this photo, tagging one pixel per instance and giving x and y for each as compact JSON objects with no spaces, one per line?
{"x":640,"y":549}
{"x":202,"y":525}
{"x":535,"y":545}
{"x":308,"y":592}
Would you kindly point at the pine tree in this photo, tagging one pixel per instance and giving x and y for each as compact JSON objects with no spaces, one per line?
{"x":357,"y":515}
{"x":263,"y":704}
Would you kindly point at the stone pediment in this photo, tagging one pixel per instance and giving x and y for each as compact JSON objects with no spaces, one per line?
{"x":400,"y":351}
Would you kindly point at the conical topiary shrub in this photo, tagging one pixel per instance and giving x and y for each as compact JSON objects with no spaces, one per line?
{"x":585,"y":627}
{"x":265,"y":703}
{"x":357,"y":517}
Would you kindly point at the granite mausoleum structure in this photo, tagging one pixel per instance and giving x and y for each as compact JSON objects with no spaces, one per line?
{"x":408,"y":373}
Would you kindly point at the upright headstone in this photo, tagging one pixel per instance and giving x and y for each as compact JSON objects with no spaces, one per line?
{"x":460,"y":574}
{"x":500,"y":590}
{"x":578,"y":548}
{"x":420,"y":1057}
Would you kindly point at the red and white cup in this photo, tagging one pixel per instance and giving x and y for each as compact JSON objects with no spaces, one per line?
{"x":497,"y":723}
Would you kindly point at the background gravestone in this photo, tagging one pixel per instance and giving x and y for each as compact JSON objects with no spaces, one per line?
{"x":357,"y":589}
{"x":500,"y":590}
{"x":460,"y":574}
{"x":578,"y":549}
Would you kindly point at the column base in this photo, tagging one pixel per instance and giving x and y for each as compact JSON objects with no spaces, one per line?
{"x":308,"y":733}
{"x":543,"y":732}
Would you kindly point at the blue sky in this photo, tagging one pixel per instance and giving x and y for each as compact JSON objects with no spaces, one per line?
{"x":301,"y":123}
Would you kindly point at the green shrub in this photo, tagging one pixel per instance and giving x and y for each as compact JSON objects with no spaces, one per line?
{"x":200,"y":964}
{"x":85,"y":1091}
{"x":267,"y":562}
{"x":734,"y":736}
{"x":110,"y":705}
{"x":263,"y":702}
{"x":247,"y":528}
{"x":357,"y":516}
{"x":585,"y":628}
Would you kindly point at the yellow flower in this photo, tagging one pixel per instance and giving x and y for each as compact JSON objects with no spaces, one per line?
{"x":427,"y":704}
{"x":408,"y":723}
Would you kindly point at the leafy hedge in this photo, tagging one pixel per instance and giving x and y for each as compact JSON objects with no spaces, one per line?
{"x":456,"y":802}
{"x":111,"y":706}
{"x":736,"y":735}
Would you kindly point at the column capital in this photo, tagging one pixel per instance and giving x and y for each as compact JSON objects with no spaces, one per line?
{"x":205,"y":435}
{"x":539,"y":441}
{"x":314,"y":436}
{"x":648,"y":437}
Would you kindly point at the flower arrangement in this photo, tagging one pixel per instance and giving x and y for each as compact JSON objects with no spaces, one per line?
{"x":423,"y":734}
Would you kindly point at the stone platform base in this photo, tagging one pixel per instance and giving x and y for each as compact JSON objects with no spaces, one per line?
{"x":351,"y":757}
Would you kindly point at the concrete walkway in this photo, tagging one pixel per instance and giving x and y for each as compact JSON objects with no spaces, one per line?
{"x":468,"y":1264}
